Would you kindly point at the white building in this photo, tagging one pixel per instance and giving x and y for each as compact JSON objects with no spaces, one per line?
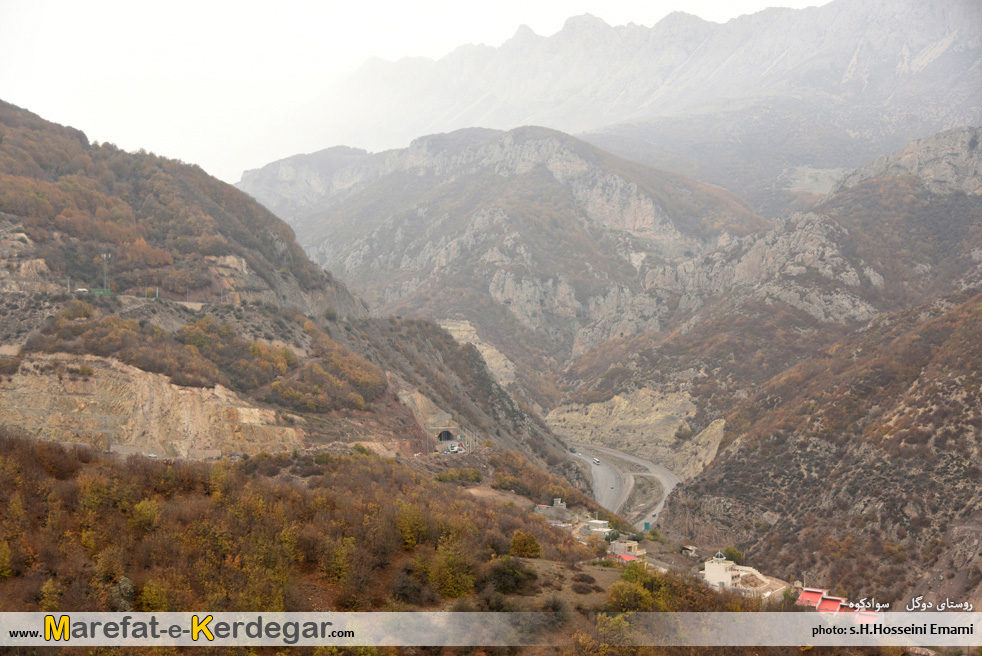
{"x":722,"y":573}
{"x":601,"y":526}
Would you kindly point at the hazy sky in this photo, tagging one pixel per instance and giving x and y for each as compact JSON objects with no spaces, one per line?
{"x":214,"y":83}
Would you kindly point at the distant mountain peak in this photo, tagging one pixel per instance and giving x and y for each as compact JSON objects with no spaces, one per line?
{"x":840,"y":64}
{"x":524,"y":33}
{"x":583,"y":23}
{"x":680,"y":18}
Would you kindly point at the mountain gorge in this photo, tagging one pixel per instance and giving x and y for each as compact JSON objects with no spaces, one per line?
{"x":549,"y":248}
{"x":758,"y":263}
{"x":217,"y":334}
{"x":679,"y":325}
{"x":528,"y":233}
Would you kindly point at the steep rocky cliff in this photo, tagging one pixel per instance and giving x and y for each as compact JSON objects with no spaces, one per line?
{"x":946,"y":162}
{"x":644,"y":422}
{"x":113,"y":406}
{"x":528,"y":232}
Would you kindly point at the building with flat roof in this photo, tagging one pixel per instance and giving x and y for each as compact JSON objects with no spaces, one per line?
{"x":722,"y":573}
{"x":601,"y":526}
{"x":623,"y":546}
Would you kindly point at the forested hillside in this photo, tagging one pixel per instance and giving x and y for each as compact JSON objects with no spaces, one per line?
{"x":162,"y":224}
{"x":211,"y":290}
{"x":859,"y":465}
{"x":273,"y":533}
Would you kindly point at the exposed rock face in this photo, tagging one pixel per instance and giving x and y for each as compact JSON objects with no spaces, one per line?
{"x":498,"y":363}
{"x":946,"y":162}
{"x":332,"y":295}
{"x":118,"y":407}
{"x":304,"y":179}
{"x":779,"y":265}
{"x":121,"y":595}
{"x":548,"y":229}
{"x":644,"y":422}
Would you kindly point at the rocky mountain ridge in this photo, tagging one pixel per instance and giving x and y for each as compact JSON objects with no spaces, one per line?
{"x":249,"y":346}
{"x":946,"y":162}
{"x":750,"y":104}
{"x":550,"y":234}
{"x":590,"y":74}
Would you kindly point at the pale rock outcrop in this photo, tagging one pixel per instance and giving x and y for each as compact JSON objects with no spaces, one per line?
{"x":775,"y":266}
{"x":119,"y":407}
{"x":643,"y":422}
{"x":945,"y":162}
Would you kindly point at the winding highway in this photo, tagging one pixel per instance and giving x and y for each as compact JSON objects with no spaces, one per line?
{"x":612,"y":487}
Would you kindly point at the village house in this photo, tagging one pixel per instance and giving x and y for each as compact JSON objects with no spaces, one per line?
{"x":722,"y":573}
{"x":625,"y":547}
{"x":599,"y":526}
{"x":556,"y":511}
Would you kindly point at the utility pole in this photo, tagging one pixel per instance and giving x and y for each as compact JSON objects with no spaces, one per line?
{"x":105,"y":270}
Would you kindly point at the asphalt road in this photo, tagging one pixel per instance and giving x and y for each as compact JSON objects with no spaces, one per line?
{"x":612,"y":487}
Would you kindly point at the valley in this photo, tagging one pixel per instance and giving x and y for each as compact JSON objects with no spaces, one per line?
{"x":593,"y":307}
{"x":683,"y":340}
{"x":613,"y":485}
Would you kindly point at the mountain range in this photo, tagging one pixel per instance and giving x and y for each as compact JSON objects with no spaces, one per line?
{"x":758,"y":262}
{"x":764,"y":104}
{"x":216,"y":333}
{"x":529,"y":232}
{"x":649,"y":312}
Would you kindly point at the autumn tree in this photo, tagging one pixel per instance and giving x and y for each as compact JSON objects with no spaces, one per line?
{"x":524,"y":544}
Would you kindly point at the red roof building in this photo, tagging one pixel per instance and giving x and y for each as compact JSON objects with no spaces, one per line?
{"x":830,"y":604}
{"x":625,"y":557}
{"x":866,"y":617}
{"x":810,"y":597}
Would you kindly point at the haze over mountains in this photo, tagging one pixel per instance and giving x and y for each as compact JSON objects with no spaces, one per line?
{"x":645,"y":311}
{"x":744,"y":267}
{"x":220,"y":336}
{"x":813,"y":326}
{"x":743,"y":104}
